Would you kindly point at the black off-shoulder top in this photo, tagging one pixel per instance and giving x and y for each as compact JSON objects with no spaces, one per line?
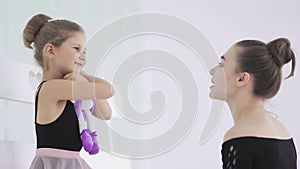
{"x":259,"y":153}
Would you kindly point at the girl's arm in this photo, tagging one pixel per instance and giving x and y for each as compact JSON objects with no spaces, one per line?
{"x":75,"y":86}
{"x":102,"y":108}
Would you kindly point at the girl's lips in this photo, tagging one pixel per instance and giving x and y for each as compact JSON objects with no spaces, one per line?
{"x":79,"y":64}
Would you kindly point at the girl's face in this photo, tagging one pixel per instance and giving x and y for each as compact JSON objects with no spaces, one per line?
{"x":70,"y":55}
{"x":225,"y":76}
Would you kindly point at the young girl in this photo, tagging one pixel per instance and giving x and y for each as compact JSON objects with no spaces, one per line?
{"x":59,"y":48}
{"x":249,"y":73}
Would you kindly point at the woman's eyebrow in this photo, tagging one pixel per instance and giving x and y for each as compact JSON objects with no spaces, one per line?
{"x":222,"y":57}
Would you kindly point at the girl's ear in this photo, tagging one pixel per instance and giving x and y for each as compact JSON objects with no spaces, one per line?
{"x":243,"y":79}
{"x":48,"y":51}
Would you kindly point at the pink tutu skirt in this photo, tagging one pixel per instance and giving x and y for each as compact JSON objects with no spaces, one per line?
{"x":48,"y":158}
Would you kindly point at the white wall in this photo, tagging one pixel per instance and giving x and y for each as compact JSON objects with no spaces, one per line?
{"x":222,"y":22}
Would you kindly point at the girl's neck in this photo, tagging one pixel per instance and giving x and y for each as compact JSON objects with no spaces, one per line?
{"x":48,"y":75}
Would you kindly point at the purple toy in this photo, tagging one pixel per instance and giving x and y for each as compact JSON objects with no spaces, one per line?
{"x":88,"y":138}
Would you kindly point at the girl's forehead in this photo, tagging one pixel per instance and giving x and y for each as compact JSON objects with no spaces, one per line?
{"x":78,"y":38}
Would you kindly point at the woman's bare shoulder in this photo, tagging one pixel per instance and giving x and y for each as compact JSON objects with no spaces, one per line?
{"x":272,"y":128}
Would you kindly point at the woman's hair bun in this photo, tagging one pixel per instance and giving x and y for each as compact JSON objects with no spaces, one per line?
{"x":281,"y":51}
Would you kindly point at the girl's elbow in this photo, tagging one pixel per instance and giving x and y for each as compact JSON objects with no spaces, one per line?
{"x":102,"y":116}
{"x":112,"y":91}
{"x":107,"y":117}
{"x":104,"y":94}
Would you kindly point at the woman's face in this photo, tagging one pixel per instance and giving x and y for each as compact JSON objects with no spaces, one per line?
{"x":70,"y":55}
{"x":224,"y":76}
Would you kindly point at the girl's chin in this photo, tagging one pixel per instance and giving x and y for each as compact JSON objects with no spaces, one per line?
{"x":77,"y":68}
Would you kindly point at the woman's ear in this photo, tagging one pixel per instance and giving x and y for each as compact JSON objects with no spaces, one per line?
{"x":48,"y":51}
{"x":243,"y":79}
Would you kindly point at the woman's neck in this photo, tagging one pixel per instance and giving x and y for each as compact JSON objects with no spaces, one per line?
{"x":246,"y":108}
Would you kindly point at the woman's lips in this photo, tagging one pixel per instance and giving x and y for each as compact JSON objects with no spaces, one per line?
{"x":213,"y":83}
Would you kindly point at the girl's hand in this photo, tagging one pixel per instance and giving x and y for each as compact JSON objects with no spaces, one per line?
{"x":73,"y":76}
{"x":69,"y":76}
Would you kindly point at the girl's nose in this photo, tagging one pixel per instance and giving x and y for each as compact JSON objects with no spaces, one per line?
{"x":82,"y":57}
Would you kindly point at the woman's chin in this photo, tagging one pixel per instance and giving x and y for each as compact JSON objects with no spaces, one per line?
{"x":215,"y":97}
{"x":211,"y":95}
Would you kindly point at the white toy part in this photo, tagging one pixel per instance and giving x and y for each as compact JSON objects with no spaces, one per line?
{"x":85,"y":120}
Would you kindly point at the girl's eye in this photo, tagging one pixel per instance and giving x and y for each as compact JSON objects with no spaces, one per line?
{"x":77,"y":48}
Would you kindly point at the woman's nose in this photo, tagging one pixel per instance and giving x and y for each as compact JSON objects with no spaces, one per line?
{"x":212,"y":71}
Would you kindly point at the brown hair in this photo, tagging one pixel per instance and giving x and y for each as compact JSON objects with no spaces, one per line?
{"x":41,"y":30}
{"x":264,"y":62}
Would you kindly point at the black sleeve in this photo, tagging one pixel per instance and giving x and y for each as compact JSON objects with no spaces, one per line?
{"x":254,"y":152}
{"x":237,"y":155}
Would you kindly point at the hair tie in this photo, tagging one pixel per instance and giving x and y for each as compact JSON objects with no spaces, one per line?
{"x":32,"y":45}
{"x":57,"y":19}
{"x":50,"y":20}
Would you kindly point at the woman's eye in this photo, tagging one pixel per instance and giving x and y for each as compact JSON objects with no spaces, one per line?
{"x":77,"y":48}
{"x":220,"y":64}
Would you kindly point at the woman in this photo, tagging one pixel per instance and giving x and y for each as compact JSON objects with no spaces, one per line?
{"x":249,"y":73}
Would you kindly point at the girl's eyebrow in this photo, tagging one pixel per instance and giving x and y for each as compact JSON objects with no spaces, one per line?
{"x":76,"y":44}
{"x":79,"y":46}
